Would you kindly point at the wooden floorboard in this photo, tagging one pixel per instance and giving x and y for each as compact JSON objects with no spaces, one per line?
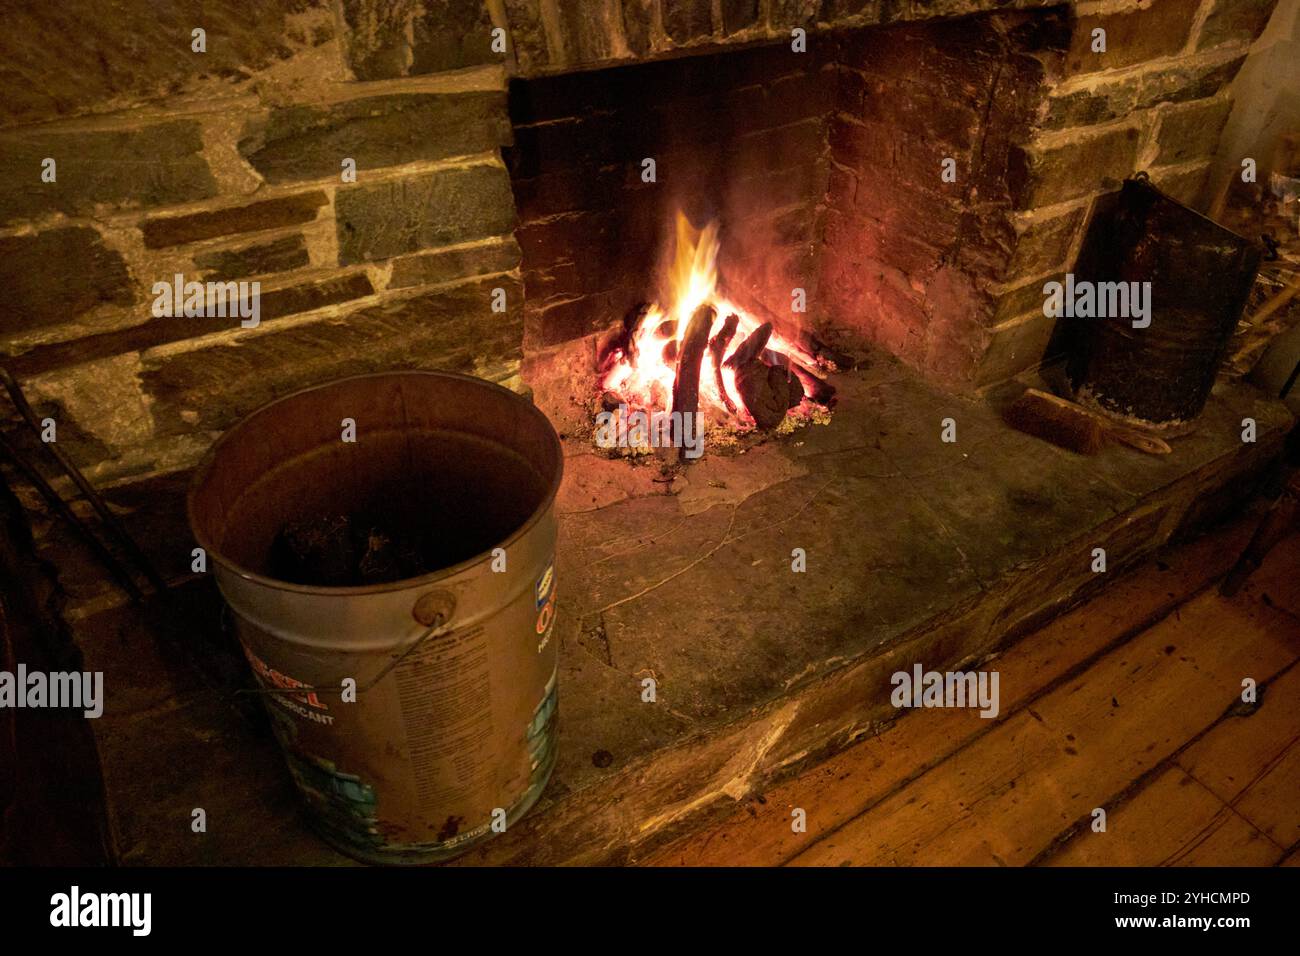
{"x":1272,"y":803}
{"x":1277,"y":583}
{"x":1005,"y":798}
{"x":1130,"y":703}
{"x":1201,"y":783}
{"x":1241,"y":748}
{"x":1142,"y":831}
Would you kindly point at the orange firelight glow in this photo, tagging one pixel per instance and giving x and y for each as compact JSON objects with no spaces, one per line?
{"x":645,"y":377}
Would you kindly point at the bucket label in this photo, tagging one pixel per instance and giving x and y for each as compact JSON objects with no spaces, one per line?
{"x":271,"y":678}
{"x":541,"y":729}
{"x":544,"y":592}
{"x":344,"y":803}
{"x":545,"y":618}
{"x":545,"y":587}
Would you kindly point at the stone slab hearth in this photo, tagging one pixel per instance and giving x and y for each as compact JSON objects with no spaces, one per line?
{"x":917,"y":550}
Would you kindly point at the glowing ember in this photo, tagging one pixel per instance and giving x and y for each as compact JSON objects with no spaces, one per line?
{"x":644,"y":368}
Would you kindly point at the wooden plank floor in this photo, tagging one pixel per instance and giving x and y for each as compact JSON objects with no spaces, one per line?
{"x":1130,"y":704}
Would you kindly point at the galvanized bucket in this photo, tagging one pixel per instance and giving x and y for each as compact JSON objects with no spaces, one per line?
{"x":418,"y":715}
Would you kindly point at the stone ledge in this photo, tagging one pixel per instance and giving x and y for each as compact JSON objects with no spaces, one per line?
{"x":305,"y":143}
{"x":917,"y":550}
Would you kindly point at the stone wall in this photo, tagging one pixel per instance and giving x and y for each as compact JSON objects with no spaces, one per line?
{"x":225,"y":164}
{"x":392,"y":38}
{"x":228,"y":164}
{"x":962,"y":300}
{"x":918,"y":218}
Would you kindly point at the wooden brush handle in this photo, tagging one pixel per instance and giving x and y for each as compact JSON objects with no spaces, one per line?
{"x":1136,"y":438}
{"x":1133,"y":437}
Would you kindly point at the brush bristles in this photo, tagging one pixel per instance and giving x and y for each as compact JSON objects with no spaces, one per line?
{"x":1063,"y":426}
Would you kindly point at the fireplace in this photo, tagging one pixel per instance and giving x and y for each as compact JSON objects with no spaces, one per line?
{"x":865,"y":190}
{"x":824,"y":226}
{"x":702,"y":361}
{"x":901,"y":188}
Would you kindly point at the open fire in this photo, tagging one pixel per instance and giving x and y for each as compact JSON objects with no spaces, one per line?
{"x":703,"y":356}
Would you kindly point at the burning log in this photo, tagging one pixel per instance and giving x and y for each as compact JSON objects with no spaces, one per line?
{"x":772,"y":357}
{"x":759,"y":372}
{"x":719,"y":343}
{"x":718,"y":349}
{"x":796,"y":390}
{"x":813,"y":386}
{"x":631,"y":322}
{"x":824,"y":354}
{"x":623,"y":344}
{"x":786,"y":364}
{"x":750,"y":349}
{"x":817,"y":391}
{"x":768,"y":388}
{"x":802,"y":337}
{"x":767,"y":391}
{"x":690,"y":356}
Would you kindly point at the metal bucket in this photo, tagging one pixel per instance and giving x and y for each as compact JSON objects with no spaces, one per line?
{"x":450,"y":734}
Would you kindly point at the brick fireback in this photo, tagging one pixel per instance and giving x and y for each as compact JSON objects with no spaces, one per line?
{"x":824,"y":169}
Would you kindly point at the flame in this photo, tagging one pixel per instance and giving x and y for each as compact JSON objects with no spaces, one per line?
{"x":692,"y":281}
{"x":693,"y":277}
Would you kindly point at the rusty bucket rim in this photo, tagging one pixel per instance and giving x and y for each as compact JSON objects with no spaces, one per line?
{"x":433,"y":577}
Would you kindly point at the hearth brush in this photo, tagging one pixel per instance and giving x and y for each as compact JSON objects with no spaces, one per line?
{"x":1063,"y":423}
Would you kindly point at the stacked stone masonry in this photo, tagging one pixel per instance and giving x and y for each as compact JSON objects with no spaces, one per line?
{"x":400,"y":268}
{"x":226,"y":165}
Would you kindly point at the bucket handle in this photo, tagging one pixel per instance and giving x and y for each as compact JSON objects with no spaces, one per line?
{"x":434,"y":609}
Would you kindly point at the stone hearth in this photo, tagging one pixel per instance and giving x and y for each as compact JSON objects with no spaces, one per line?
{"x":917,"y":551}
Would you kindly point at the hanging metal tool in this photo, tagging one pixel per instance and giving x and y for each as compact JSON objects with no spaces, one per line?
{"x":112,"y":524}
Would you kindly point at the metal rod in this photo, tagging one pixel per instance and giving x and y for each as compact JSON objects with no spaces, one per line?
{"x":51,"y":496}
{"x":111,"y":521}
{"x":1290,"y":381}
